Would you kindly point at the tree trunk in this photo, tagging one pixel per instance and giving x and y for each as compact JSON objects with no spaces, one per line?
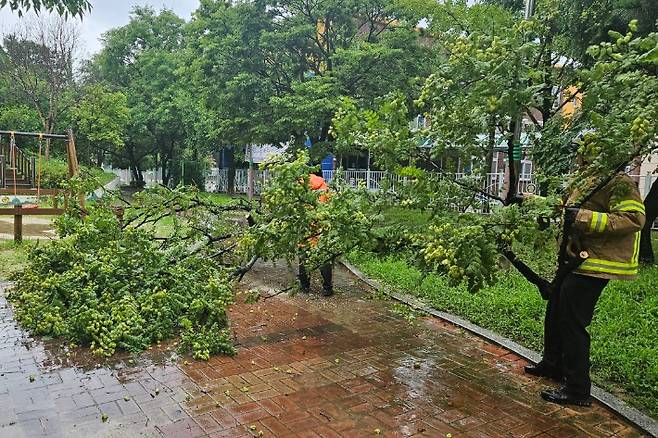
{"x":511,"y":164}
{"x":46,"y":129}
{"x":651,"y":205}
{"x":135,"y":168}
{"x":491,"y":145}
{"x":100,"y":158}
{"x":165,"y":157}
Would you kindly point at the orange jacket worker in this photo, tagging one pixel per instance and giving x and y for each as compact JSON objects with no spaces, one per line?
{"x":317,"y":183}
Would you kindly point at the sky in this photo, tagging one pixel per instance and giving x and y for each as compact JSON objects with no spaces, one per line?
{"x":105,"y":15}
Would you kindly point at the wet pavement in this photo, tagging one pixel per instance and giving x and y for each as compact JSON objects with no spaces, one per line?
{"x":346,"y":366}
{"x":33,"y":228}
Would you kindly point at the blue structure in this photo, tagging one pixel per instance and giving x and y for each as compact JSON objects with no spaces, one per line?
{"x":327,"y":162}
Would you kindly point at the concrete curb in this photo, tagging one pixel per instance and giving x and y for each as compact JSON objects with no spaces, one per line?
{"x":644,"y":422}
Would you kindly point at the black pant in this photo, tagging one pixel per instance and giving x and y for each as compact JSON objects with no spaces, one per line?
{"x":566,"y":340}
{"x":327,"y":273}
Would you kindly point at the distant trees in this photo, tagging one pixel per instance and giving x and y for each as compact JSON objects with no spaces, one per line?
{"x":275,"y":71}
{"x":36,"y":64}
{"x":141,"y":61}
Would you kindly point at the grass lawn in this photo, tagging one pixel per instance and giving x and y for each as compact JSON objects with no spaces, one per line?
{"x":410,"y":218}
{"x":624,"y":347}
{"x":221,"y":198}
{"x":12,"y":258}
{"x":105,"y":177}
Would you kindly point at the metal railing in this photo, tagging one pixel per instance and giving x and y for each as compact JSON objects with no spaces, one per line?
{"x":218,"y":181}
{"x":151,"y":177}
{"x":373,"y":180}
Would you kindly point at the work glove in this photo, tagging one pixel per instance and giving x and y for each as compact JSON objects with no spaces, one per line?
{"x":570,"y":215}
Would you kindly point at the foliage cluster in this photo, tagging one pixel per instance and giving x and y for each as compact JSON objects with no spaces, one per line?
{"x":474,"y":100}
{"x":54,"y":174}
{"x":62,"y":7}
{"x":115,"y":284}
{"x":293,"y":220}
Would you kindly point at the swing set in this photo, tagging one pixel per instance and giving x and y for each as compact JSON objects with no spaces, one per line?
{"x":17,"y":171}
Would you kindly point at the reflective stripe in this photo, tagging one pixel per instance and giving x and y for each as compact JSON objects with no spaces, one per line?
{"x":594,"y":222}
{"x":598,"y":222}
{"x":632,"y":208}
{"x":604,"y":222}
{"x":612,"y":264}
{"x":629,"y":205}
{"x":636,"y":249}
{"x":628,"y":202}
{"x":608,"y":270}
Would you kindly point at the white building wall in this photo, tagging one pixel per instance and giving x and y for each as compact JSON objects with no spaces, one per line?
{"x":648,"y":173}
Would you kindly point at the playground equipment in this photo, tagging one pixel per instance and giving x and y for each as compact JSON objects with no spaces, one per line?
{"x":20,"y":175}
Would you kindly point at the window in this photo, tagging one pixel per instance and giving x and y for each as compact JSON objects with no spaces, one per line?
{"x":526,"y":170}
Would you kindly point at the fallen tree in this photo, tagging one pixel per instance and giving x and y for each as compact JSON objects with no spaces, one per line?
{"x":125,"y":274}
{"x":112,"y":281}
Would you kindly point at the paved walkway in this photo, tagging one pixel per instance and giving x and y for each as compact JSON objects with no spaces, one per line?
{"x":307,"y":367}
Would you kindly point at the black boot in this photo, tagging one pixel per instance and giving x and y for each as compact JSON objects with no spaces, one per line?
{"x":327,"y":279}
{"x":542,"y":369}
{"x":304,"y":280}
{"x":562,"y":396}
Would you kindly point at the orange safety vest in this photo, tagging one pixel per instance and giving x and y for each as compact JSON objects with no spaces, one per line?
{"x":317,"y":183}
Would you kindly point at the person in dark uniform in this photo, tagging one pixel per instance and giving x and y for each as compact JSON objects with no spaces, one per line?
{"x":608,"y":227}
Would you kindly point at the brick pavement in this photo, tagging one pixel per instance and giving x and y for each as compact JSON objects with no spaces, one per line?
{"x":306,"y":367}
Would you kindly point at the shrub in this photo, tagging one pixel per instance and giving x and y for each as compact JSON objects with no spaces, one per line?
{"x":119,"y":287}
{"x":55,"y":174}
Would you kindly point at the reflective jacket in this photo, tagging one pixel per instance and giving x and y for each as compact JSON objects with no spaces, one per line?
{"x":608,"y":227}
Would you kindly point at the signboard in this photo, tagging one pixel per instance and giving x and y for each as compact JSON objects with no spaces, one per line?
{"x":260,"y":153}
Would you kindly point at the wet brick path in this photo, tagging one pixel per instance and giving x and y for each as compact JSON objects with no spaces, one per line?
{"x":306,"y":367}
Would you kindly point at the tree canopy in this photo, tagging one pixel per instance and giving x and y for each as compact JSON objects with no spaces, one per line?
{"x":62,"y":7}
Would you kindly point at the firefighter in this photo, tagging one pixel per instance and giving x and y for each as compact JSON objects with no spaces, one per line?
{"x":318,"y":184}
{"x":608,"y":228}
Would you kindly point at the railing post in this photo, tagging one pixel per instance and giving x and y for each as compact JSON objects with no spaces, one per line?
{"x":2,"y":171}
{"x":33,"y":171}
{"x":18,"y":226}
